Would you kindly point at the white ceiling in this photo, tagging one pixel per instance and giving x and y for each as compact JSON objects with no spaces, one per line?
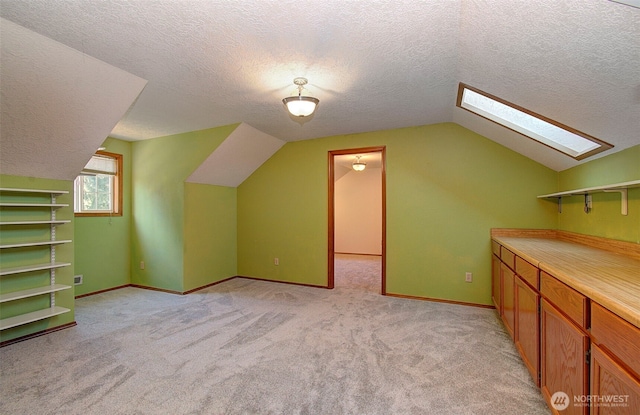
{"x":57,"y":104}
{"x":374,"y":65}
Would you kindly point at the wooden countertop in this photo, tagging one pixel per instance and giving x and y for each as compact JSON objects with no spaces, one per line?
{"x":610,"y":278}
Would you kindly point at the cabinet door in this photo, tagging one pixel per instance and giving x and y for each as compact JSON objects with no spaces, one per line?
{"x":496,"y":290}
{"x":508,"y":298}
{"x":616,"y":390}
{"x":527,"y":335}
{"x":563,"y":358}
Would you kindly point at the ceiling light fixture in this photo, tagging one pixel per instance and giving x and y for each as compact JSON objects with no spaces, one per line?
{"x":300,"y":106}
{"x":359,"y":165}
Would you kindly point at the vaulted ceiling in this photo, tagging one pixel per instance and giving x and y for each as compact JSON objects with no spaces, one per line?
{"x":374,"y":65}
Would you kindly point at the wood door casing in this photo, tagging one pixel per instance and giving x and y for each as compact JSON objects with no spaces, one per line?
{"x":331,"y":211}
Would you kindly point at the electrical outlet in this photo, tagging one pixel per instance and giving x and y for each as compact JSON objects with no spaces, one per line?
{"x":276,"y":261}
{"x":468,"y":277}
{"x":141,"y":264}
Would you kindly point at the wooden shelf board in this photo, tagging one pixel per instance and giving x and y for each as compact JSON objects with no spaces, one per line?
{"x":7,"y":323}
{"x":43,"y":243}
{"x":35,"y":267}
{"x":17,"y":295}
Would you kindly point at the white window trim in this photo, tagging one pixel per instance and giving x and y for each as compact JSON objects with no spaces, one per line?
{"x":116,"y":186}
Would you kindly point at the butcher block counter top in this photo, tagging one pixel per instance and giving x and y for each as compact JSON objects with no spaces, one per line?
{"x":605,"y":270}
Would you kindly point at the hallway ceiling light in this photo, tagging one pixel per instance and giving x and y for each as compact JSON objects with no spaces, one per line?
{"x":301,"y":106}
{"x":359,"y":165}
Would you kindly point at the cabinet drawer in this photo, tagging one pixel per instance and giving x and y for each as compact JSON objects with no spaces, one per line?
{"x":568,"y":300}
{"x":617,"y":335}
{"x":528,"y":272}
{"x":495,"y":248}
{"x":507,"y":257}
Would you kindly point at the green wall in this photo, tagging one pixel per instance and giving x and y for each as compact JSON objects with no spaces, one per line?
{"x":160,"y":167}
{"x":605,"y":218}
{"x":103,"y":244}
{"x":446,"y":188}
{"x":27,"y":256}
{"x":210,"y":234}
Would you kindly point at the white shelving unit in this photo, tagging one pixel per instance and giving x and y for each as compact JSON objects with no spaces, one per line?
{"x":621,"y":188}
{"x":52,"y":288}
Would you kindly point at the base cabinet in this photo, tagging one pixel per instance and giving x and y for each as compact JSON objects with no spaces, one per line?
{"x":613,"y":389}
{"x":527,"y":327}
{"x":496,"y":284}
{"x":563,"y":359}
{"x":508,"y":299}
{"x":584,"y":357}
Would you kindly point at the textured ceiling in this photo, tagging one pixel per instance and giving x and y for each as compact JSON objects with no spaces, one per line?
{"x":58,"y":105}
{"x":374,"y":65}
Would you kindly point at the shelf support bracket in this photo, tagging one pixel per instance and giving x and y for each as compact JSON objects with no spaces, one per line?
{"x":587,"y":203}
{"x":624,"y":208}
{"x":559,"y":204}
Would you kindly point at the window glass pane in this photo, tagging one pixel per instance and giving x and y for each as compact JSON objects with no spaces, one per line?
{"x":104,"y":201}
{"x":89,"y":184}
{"x":103,"y":183}
{"x":89,"y":201}
{"x":527,"y":124}
{"x":542,"y":129}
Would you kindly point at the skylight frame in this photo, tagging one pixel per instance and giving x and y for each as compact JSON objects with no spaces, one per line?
{"x":593,"y":144}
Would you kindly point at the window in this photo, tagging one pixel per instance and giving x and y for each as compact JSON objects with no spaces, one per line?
{"x":551,"y":133}
{"x":98,"y":189}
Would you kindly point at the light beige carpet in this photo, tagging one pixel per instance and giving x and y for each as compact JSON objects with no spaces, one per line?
{"x":255,"y":347}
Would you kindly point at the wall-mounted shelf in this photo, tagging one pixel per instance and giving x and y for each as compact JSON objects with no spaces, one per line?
{"x":17,"y":295}
{"x":51,"y":205}
{"x":587,"y":191}
{"x":33,"y":191}
{"x":36,"y":222}
{"x":7,"y":323}
{"x":35,"y":267}
{"x":39,"y":243}
{"x":18,"y":201}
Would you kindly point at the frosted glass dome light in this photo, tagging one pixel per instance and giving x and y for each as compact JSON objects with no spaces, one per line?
{"x":300,"y":106}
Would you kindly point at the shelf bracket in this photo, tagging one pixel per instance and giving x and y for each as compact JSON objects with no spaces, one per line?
{"x":587,"y":203}
{"x":624,"y":208}
{"x":559,"y":204}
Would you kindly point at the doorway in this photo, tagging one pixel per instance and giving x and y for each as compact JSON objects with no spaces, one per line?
{"x":335,"y":170}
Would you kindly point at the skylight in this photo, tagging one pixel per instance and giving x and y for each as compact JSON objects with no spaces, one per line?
{"x":565,"y":139}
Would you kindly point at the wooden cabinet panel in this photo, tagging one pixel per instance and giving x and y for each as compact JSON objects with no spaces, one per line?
{"x":614,"y":389}
{"x":527,"y":327}
{"x":617,"y":335}
{"x":568,"y":300}
{"x":528,"y":272}
{"x":495,"y":248}
{"x":496,"y":285}
{"x":508,"y":257}
{"x":508,"y":298}
{"x":562,"y":358}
